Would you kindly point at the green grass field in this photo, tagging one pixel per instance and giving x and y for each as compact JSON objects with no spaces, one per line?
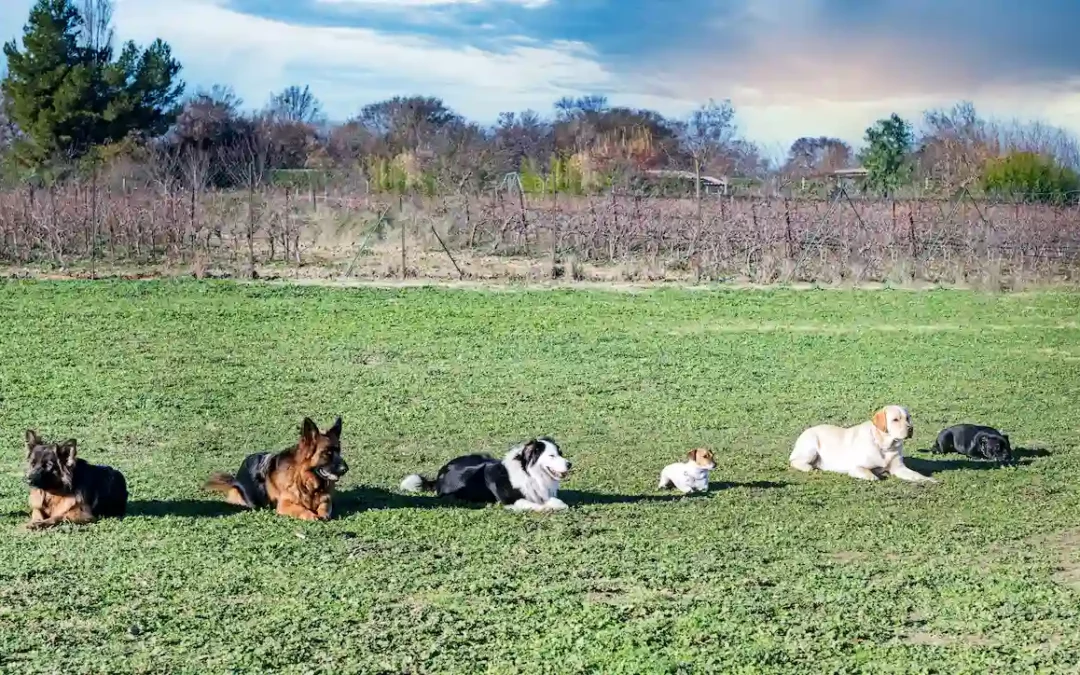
{"x":772,"y":571}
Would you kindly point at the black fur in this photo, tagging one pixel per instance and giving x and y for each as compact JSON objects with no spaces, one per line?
{"x":482,"y":478}
{"x":102,"y":489}
{"x":251,"y":478}
{"x":974,"y":441}
{"x":476,"y":478}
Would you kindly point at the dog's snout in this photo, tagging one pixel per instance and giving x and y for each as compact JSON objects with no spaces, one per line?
{"x":569,"y":466}
{"x":342,"y":468}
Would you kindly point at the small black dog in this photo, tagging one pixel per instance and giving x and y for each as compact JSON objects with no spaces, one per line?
{"x":975,"y":441}
{"x":65,"y":488}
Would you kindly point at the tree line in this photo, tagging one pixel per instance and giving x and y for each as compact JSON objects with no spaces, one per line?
{"x":75,"y":104}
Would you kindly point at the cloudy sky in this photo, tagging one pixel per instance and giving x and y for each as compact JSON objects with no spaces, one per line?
{"x":791,"y":67}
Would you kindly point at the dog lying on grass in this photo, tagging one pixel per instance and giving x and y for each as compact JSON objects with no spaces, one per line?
{"x":975,"y":441}
{"x":526,"y":479}
{"x":67,"y":489}
{"x":297,"y":481}
{"x":691,"y":475}
{"x":865,"y":451}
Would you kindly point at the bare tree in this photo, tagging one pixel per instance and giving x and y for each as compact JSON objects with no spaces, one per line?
{"x":208,"y":117}
{"x":249,"y":159}
{"x":809,"y":156}
{"x":463,"y":154}
{"x":954,"y":146}
{"x":406,"y":124}
{"x":97,"y":31}
{"x":706,"y":135}
{"x":520,"y":136}
{"x":1042,"y":139}
{"x":296,"y":105}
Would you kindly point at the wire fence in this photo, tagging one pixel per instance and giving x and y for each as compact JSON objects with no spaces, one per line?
{"x":760,"y":238}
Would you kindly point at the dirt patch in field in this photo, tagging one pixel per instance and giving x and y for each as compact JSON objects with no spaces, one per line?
{"x":941,"y":640}
{"x":428,"y":268}
{"x":1066,"y":545}
{"x":916,"y":635}
{"x":845,"y":557}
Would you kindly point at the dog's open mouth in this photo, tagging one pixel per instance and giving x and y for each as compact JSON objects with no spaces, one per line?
{"x":327,"y":475}
{"x":559,"y":475}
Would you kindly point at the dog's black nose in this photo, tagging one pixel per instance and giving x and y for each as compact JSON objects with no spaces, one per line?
{"x":569,"y":466}
{"x":343,"y":468}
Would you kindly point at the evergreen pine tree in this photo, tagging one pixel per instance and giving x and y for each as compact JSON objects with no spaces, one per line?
{"x":67,"y":94}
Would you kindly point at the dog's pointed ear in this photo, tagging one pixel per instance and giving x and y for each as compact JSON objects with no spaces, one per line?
{"x":308,"y":431}
{"x":881,"y":421}
{"x":335,"y":431}
{"x":32,"y":439}
{"x":67,"y":451}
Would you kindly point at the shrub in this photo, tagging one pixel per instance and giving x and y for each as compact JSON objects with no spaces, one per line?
{"x":1031,"y":176}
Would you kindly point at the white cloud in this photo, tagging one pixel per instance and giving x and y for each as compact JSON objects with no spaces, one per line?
{"x":350,"y":66}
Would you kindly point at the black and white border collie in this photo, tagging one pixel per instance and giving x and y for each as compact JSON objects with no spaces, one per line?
{"x":526,"y":479}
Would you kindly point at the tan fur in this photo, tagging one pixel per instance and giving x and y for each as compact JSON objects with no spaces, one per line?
{"x":295,"y":490}
{"x":880,"y":421}
{"x":65,"y":488}
{"x":701,"y":456}
{"x":292,"y":486}
{"x":222,"y":482}
{"x":48,"y":509}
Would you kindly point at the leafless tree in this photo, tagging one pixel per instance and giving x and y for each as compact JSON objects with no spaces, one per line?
{"x":808,"y":156}
{"x":97,"y":31}
{"x":296,"y":105}
{"x":954,"y":146}
{"x":1045,"y":139}
{"x":406,"y":124}
{"x":706,"y":134}
{"x":518,"y":137}
{"x":248,"y":160}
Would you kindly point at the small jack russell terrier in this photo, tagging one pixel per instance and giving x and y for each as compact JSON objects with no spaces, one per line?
{"x":691,"y":475}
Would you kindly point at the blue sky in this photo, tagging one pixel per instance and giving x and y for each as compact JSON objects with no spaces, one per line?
{"x":791,"y":67}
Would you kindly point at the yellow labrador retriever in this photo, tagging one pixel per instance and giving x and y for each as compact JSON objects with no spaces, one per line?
{"x":863,"y":451}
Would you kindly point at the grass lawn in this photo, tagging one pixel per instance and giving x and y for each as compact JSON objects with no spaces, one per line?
{"x":772,"y":571}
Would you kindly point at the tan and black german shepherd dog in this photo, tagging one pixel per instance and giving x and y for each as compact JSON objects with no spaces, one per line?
{"x":67,"y":489}
{"x":297,"y":481}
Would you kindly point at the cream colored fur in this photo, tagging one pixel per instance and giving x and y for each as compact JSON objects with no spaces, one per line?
{"x":866,"y":451}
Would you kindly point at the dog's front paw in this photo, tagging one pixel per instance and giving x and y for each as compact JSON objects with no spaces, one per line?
{"x":555,"y":504}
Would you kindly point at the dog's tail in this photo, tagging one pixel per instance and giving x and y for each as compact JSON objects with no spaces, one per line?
{"x":416,"y":483}
{"x":220,"y":482}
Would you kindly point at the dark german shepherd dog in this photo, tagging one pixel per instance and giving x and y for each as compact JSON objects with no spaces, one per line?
{"x":298,"y":481}
{"x":66,"y":489}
